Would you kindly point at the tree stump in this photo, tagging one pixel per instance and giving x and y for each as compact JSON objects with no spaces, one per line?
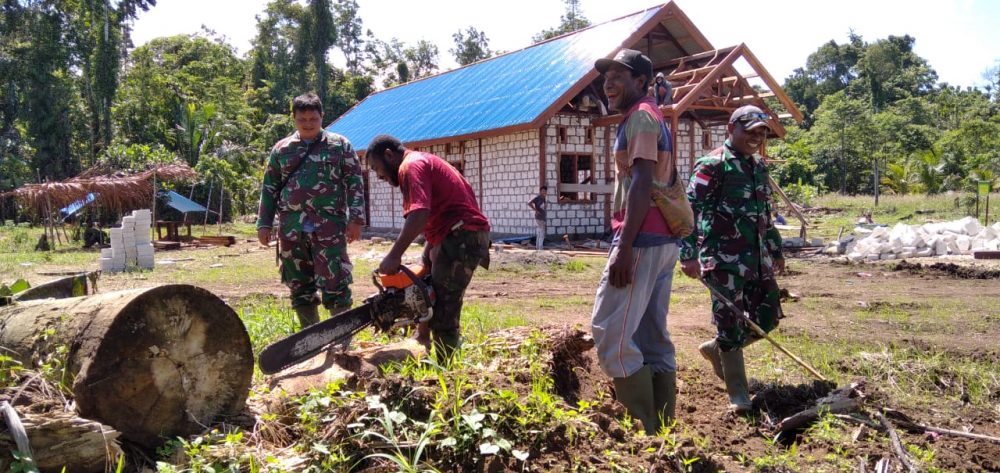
{"x":151,"y":363}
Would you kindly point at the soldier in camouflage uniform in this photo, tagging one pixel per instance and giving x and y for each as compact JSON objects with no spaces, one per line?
{"x":440,"y":203}
{"x":313,"y":181}
{"x":735,"y":246}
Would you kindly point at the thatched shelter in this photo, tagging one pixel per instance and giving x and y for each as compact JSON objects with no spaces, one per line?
{"x":116,"y":193}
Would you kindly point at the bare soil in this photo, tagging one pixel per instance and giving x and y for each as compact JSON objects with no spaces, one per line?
{"x":825,"y":301}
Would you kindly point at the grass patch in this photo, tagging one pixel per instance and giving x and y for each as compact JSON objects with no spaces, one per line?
{"x":915,"y":376}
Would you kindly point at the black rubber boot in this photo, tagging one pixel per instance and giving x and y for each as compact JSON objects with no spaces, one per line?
{"x":636,"y":394}
{"x":665,"y":396}
{"x":445,"y":344}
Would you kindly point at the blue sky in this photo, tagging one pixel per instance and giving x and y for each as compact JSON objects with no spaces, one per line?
{"x":960,"y":38}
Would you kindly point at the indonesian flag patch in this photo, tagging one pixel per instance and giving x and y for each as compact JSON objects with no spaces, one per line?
{"x":701,"y":179}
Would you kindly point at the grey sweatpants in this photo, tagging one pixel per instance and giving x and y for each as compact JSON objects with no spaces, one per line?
{"x":630,"y":323}
{"x":539,"y":234}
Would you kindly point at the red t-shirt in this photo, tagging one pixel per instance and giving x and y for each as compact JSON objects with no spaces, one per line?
{"x":429,"y":182}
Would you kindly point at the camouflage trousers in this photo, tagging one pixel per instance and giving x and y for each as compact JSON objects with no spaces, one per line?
{"x":452,"y":264}
{"x":759,"y":297}
{"x":310,"y":264}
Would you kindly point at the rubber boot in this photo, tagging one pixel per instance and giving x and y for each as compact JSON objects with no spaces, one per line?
{"x":636,"y":394}
{"x":736,"y":380}
{"x":665,"y":396}
{"x":445,"y":344}
{"x":710,"y":351}
{"x":308,"y":315}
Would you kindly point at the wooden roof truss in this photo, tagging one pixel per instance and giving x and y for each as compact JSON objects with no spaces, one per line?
{"x":707,"y":87}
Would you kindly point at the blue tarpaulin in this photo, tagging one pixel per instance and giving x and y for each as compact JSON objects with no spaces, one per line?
{"x":75,"y":207}
{"x":181,"y":204}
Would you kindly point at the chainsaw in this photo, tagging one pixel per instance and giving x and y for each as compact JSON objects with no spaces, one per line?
{"x":403,"y":299}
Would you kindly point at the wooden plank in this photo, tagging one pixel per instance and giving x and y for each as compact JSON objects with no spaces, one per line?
{"x":773,"y":84}
{"x":986,"y":254}
{"x":696,"y":57}
{"x":748,"y":97}
{"x":675,"y":13}
{"x":590,"y":188}
{"x":541,"y":155}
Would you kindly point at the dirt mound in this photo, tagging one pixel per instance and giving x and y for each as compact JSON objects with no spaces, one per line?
{"x":540,"y":403}
{"x":779,"y":401}
{"x":513,"y":258}
{"x":951,"y":270}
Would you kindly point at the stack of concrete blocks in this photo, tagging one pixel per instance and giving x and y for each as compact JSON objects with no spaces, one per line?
{"x":130,"y":244}
{"x":959,"y":237}
{"x":143,"y":247}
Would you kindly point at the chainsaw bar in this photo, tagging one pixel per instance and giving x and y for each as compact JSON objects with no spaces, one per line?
{"x":313,"y":339}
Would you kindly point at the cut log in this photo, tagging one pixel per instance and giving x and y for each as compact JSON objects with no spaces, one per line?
{"x":72,"y":286}
{"x":62,"y":439}
{"x":152,"y":363}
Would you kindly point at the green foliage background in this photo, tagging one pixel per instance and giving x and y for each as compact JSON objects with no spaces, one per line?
{"x":75,"y":93}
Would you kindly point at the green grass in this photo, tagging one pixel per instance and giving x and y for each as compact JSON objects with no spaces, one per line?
{"x":913,"y":376}
{"x":909,"y":209}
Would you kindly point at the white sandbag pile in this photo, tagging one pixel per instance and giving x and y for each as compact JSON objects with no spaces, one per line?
{"x":130,"y":245}
{"x":959,"y":237}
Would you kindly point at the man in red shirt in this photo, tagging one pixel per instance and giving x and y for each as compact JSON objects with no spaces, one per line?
{"x":438,"y":202}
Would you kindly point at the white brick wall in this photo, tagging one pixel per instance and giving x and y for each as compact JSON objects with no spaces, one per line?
{"x":716,"y":137}
{"x":510,"y":176}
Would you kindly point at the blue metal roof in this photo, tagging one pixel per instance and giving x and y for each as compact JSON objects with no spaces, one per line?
{"x":508,"y":90}
{"x":182,"y":204}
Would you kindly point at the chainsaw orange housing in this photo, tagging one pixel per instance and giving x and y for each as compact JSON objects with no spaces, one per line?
{"x":400,"y":280}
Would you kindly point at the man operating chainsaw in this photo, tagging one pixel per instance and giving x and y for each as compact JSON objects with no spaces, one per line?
{"x":313,"y":181}
{"x":735,"y":246}
{"x":439,"y":202}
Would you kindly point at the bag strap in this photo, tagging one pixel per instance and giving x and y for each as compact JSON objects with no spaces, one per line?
{"x":309,"y":150}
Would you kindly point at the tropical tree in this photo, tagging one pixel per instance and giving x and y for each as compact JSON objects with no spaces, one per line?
{"x":350,"y":39}
{"x":168,"y":76}
{"x":572,"y":20}
{"x":470,"y":46}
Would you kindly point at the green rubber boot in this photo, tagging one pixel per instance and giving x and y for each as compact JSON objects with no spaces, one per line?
{"x":665,"y":396}
{"x":710,"y":351}
{"x":308,"y":315}
{"x":636,"y":394}
{"x":736,"y":380}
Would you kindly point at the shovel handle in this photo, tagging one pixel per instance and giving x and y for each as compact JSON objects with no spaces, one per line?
{"x":759,"y":331}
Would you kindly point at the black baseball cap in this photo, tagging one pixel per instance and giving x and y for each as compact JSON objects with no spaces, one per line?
{"x":750,"y":117}
{"x":631,"y":59}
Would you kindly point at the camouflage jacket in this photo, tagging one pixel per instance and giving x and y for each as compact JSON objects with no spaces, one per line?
{"x":731,"y":199}
{"x":327,"y":188}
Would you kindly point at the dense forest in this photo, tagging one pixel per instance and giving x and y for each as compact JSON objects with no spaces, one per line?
{"x":75,"y":93}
